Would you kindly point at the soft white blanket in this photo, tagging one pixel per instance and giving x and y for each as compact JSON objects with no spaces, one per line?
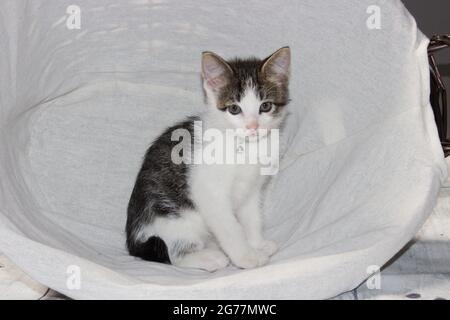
{"x":361,"y":166}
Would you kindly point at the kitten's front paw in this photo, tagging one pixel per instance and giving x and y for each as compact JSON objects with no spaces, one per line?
{"x":251,"y":258}
{"x":268,"y":247}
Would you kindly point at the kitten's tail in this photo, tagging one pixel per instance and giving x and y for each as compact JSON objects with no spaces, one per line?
{"x":154,"y":249}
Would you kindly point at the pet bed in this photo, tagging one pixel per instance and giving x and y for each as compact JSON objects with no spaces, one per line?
{"x":85,"y":89}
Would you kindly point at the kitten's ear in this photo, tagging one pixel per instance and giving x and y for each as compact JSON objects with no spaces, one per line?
{"x":216,"y":72}
{"x":277,"y":67}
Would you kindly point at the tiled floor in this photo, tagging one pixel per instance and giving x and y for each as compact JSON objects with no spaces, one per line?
{"x":420,"y":271}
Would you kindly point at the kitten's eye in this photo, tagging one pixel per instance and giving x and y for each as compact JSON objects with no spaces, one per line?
{"x":265,"y":107}
{"x":234,"y":109}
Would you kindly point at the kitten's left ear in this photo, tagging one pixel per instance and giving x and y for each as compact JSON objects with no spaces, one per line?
{"x":277,"y":67}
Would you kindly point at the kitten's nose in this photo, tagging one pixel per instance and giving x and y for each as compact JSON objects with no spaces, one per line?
{"x":252,"y":125}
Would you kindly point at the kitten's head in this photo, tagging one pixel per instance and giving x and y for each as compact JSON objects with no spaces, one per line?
{"x":250,"y":94}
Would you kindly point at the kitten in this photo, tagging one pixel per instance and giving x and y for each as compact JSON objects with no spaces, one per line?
{"x":204,"y":215}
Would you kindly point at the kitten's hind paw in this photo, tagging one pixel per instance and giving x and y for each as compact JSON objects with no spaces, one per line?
{"x":268,"y":247}
{"x":216,"y":260}
{"x":207,"y":259}
{"x":250,"y":259}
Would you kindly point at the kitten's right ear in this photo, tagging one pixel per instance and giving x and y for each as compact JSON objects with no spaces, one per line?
{"x":216,"y":72}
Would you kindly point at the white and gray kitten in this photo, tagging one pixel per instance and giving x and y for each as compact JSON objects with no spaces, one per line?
{"x":204,"y":215}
